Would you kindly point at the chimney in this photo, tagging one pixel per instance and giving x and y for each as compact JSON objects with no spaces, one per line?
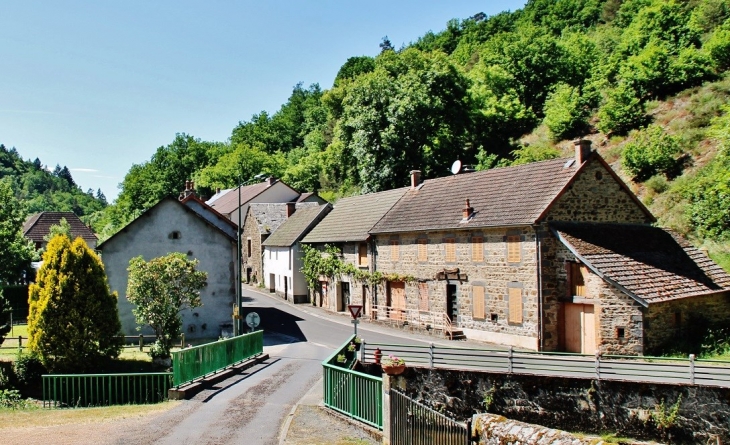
{"x":468,"y":210}
{"x":290,"y":208}
{"x":217,"y":190}
{"x":271,"y":180}
{"x":582,"y":150}
{"x":188,"y":190}
{"x":415,"y":178}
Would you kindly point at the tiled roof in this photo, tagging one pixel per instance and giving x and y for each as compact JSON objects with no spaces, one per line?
{"x":500,"y":197}
{"x":648,"y":263}
{"x":269,"y":216}
{"x":353,"y":217}
{"x":37,"y":226}
{"x":297,"y":225}
{"x":211,"y":216}
{"x":228,"y":202}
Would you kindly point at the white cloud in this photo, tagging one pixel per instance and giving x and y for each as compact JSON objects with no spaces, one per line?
{"x":84,"y":170}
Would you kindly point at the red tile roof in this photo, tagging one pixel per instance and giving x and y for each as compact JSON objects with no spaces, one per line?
{"x":648,"y":263}
{"x":37,"y":226}
{"x":500,"y":197}
{"x":229,"y":202}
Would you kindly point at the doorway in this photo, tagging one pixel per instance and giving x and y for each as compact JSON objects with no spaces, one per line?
{"x":452,"y":307}
{"x":344,"y":296}
{"x":580,"y":328}
{"x":397,"y":299}
{"x":272,"y":283}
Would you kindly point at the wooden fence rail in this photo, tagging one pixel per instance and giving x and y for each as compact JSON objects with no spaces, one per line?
{"x":607,"y":367}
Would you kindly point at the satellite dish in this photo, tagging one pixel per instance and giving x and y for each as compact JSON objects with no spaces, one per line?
{"x":456,"y":167}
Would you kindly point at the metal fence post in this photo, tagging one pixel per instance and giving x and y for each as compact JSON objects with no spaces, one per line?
{"x":430,"y":355}
{"x":20,"y":342}
{"x":598,"y":365}
{"x":509,"y":360}
{"x":362,"y":351}
{"x":141,"y":342}
{"x":692,"y":369}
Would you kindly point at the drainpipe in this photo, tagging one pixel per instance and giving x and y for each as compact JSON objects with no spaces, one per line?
{"x":541,"y":315}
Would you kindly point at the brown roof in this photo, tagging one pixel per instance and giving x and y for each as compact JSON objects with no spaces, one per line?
{"x":648,"y":263}
{"x":353,"y":217}
{"x":229,"y":202}
{"x":37,"y":226}
{"x":297,"y":225}
{"x":500,"y":197}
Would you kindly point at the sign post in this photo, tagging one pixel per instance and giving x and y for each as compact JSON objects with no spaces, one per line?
{"x":355,"y":311}
{"x":253,"y":320}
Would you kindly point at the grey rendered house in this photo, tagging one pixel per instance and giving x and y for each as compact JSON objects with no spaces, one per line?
{"x":186,"y":225}
{"x":347,"y":227}
{"x":557,"y":255}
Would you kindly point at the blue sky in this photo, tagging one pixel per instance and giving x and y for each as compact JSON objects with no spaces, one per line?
{"x":98,"y":86}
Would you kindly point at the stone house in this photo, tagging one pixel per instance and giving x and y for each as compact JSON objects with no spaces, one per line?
{"x":38,"y":226}
{"x":518,"y":256}
{"x":261,"y":220}
{"x":283,"y":256}
{"x":186,"y":225}
{"x":347,"y":227}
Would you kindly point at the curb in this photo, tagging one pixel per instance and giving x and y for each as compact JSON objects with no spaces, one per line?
{"x":284,"y":431}
{"x":189,"y":390}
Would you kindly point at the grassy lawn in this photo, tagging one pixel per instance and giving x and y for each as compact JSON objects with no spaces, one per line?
{"x":39,"y":417}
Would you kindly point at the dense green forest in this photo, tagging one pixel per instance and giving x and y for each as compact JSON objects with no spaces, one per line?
{"x":645,"y":80}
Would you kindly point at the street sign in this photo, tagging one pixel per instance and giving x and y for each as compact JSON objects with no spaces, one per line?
{"x":253,"y":320}
{"x":355,"y":310}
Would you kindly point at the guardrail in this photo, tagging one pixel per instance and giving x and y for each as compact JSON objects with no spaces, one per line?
{"x":607,"y":367}
{"x":84,"y":390}
{"x":198,"y":361}
{"x":354,"y":394}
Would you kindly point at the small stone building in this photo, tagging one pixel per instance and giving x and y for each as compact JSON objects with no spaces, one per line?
{"x":346,"y":227}
{"x":189,"y":226}
{"x":490,"y":251}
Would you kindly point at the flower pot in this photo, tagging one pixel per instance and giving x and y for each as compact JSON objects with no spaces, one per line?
{"x":394,"y":369}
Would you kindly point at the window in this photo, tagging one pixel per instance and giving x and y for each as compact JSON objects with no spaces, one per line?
{"x":513,"y":249}
{"x":423,"y":304}
{"x":477,"y":248}
{"x":248,"y":247}
{"x":515,"y":305}
{"x":291,"y":255}
{"x":620,"y":333}
{"x":478,"y":310}
{"x":577,"y":280}
{"x":362,"y":254}
{"x":450,"y":250}
{"x":175,"y":235}
{"x":495,"y":317}
{"x":422,"y":249}
{"x":394,"y":250}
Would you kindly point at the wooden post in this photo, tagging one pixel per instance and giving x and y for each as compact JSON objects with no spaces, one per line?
{"x":141,"y":342}
{"x":20,"y":342}
{"x":182,"y":340}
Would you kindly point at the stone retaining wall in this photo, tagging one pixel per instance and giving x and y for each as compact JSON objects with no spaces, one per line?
{"x":492,"y":429}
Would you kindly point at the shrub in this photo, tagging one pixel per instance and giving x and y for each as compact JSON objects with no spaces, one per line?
{"x":718,"y":48}
{"x":657,"y":184}
{"x":28,"y":369}
{"x":622,"y":111}
{"x":652,"y":152}
{"x":565,"y":113}
{"x":10,"y":398}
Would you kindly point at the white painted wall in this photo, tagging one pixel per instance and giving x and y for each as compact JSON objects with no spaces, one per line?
{"x":285,"y":263}
{"x":149,"y":236}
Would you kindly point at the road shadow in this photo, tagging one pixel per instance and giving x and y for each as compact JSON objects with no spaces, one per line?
{"x":275,"y":321}
{"x":235,"y":380}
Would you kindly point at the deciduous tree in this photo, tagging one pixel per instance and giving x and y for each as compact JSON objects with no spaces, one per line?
{"x":16,"y":251}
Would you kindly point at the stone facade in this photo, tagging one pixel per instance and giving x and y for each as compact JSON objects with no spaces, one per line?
{"x":669,"y":320}
{"x":251,"y":258}
{"x":493,"y":273}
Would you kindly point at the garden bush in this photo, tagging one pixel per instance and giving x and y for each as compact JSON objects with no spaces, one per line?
{"x":28,"y":369}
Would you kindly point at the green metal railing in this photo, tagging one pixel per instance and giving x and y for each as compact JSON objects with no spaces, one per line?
{"x":84,"y":390}
{"x":352,"y":393}
{"x":192,"y":363}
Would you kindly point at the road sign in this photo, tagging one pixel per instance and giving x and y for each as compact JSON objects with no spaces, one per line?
{"x":355,"y":310}
{"x":253,"y":320}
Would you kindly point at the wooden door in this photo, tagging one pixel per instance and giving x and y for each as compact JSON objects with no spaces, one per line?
{"x":272,"y":282}
{"x":580,"y":328}
{"x":397,"y":299}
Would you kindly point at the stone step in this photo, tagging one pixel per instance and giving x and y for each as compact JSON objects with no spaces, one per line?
{"x":458,"y":335}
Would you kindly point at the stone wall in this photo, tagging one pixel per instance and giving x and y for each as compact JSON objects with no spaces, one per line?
{"x":578,"y":405}
{"x":492,"y":429}
{"x":493,"y":273}
{"x":669,"y":320}
{"x":251,"y":232}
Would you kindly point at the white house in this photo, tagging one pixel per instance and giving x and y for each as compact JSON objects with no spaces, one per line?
{"x":283,"y":257}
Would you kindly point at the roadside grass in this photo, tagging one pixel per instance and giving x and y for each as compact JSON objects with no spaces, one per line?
{"x":37,"y":417}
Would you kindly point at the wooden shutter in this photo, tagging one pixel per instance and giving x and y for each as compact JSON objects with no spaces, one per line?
{"x":478,"y":310}
{"x":423,"y":296}
{"x":515,"y":305}
{"x":477,"y":249}
{"x":394,"y":250}
{"x":450,"y":250}
{"x":362,"y":254}
{"x":422,"y":249}
{"x":513,"y":249}
{"x":577,"y":279}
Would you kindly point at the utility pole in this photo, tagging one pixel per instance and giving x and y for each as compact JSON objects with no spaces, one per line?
{"x":237,"y":326}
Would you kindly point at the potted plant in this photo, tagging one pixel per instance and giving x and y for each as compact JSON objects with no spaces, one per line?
{"x":341,"y":359}
{"x":351,"y":348}
{"x":358,"y":343}
{"x":393,"y":365}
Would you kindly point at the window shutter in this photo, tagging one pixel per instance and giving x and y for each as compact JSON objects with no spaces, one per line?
{"x":422,"y":249}
{"x":394,"y":251}
{"x":513,"y":249}
{"x":478,"y":309}
{"x":477,"y":249}
{"x":362,"y":259}
{"x":450,"y":250}
{"x":515,"y":305}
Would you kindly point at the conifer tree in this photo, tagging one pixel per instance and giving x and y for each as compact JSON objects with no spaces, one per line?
{"x":74,"y":321}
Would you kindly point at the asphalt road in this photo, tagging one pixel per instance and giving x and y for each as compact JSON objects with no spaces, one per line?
{"x":250,"y":408}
